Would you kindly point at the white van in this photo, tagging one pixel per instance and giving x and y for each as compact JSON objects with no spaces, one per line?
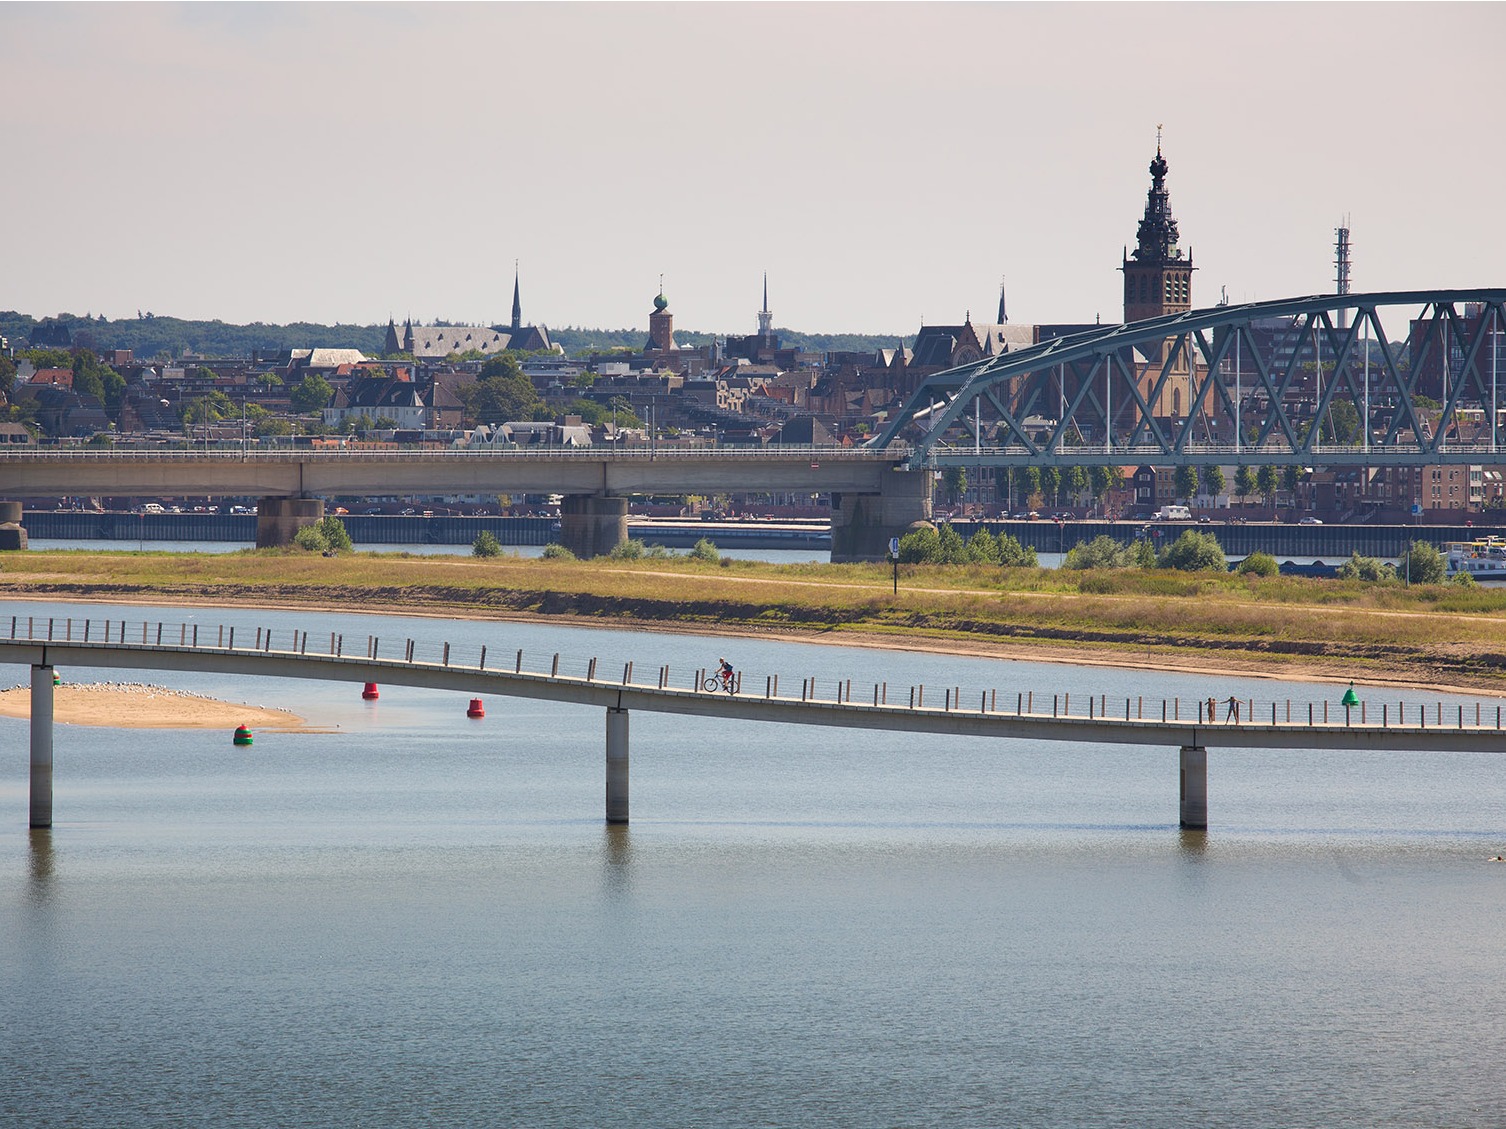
{"x":1174,"y":513}
{"x":152,"y":508}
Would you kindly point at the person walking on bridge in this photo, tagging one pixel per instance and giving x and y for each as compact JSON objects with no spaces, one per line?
{"x":1233,"y":714}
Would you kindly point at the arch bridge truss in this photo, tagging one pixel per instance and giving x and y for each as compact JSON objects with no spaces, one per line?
{"x":1390,"y":379}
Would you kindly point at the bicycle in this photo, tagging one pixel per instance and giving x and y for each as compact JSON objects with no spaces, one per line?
{"x":716,"y":682}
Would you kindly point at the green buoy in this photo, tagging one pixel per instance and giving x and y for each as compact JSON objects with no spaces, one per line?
{"x":242,"y":735}
{"x":1350,"y":698}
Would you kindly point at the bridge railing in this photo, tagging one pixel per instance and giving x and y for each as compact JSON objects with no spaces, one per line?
{"x":364,"y":651}
{"x":234,"y":452}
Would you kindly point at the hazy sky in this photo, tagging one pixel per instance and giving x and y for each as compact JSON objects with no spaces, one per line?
{"x":885,"y":163}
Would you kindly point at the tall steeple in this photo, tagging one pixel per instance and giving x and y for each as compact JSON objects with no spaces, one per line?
{"x":765,"y":315}
{"x":1003,"y":314}
{"x":1157,"y":278}
{"x":517,"y":300}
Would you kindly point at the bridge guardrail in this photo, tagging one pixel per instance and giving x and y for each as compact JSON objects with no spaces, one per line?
{"x":1242,"y":713}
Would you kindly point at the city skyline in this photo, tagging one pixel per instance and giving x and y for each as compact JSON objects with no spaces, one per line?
{"x":349,"y":163}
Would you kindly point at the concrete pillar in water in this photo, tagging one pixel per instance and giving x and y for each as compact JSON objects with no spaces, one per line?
{"x":861,"y":524}
{"x":41,"y":746}
{"x":591,"y":525}
{"x":12,"y":535}
{"x":617,"y":766}
{"x":1194,"y":786}
{"x":277,"y":519}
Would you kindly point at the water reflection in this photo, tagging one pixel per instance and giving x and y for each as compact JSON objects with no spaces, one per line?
{"x":42,"y":862}
{"x":617,"y":855}
{"x":1192,"y":844}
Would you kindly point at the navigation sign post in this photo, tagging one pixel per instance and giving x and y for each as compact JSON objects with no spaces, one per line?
{"x":894,"y":560}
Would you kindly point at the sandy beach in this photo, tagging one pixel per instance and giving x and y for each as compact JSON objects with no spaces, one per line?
{"x":135,"y":705}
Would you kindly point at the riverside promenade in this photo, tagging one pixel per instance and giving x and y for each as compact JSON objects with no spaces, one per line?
{"x":1013,"y":713}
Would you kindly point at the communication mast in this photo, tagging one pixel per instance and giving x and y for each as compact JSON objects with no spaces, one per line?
{"x":1341,"y":264}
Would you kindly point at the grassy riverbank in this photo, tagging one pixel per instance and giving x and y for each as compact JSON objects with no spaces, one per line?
{"x":1294,"y":626}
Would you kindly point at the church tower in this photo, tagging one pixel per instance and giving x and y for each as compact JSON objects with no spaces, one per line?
{"x":661,"y":325}
{"x":1158,"y":282}
{"x":1157,"y":279}
{"x":517,"y":300}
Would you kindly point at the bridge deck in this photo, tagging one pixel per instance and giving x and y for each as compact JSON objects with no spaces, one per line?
{"x":930,"y":709}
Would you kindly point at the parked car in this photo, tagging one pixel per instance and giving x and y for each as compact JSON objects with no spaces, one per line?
{"x":1310,"y":521}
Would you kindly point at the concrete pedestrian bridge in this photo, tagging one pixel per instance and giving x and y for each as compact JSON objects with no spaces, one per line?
{"x":1010,"y":713}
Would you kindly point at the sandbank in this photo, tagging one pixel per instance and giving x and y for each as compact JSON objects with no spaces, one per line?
{"x":135,"y":705}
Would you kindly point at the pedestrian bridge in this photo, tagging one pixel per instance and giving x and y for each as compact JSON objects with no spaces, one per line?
{"x":1014,"y":713}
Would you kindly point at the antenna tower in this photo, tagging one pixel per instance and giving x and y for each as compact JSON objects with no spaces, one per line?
{"x":1341,"y":263}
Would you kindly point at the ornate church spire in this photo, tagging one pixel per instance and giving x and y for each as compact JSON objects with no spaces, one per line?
{"x":765,"y":315}
{"x":517,"y":300}
{"x":1157,"y":237}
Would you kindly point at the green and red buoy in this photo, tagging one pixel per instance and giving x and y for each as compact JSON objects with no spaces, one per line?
{"x":242,"y":735}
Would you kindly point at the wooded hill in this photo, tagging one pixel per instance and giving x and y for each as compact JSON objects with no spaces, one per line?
{"x":152,"y":336}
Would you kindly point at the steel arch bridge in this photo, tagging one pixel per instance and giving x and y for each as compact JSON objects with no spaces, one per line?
{"x":1388,"y":379}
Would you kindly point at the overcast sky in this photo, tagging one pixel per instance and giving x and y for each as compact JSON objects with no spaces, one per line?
{"x":886,"y":164}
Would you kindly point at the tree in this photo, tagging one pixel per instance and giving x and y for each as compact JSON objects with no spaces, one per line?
{"x":983,"y":548}
{"x":1290,"y":476}
{"x":1012,"y":554}
{"x":1031,"y":483}
{"x":1213,"y":480}
{"x":1259,"y":564}
{"x":1051,"y":483}
{"x":486,"y":545}
{"x":311,"y":394}
{"x":1076,"y":482}
{"x":954,"y":482}
{"x":502,"y":393}
{"x":919,"y":546}
{"x":1195,"y":552}
{"x":705,"y":550}
{"x":1186,"y":482}
{"x":1422,"y":564}
{"x":1344,"y":422}
{"x":311,"y":539}
{"x":1244,"y":482}
{"x":1101,"y":552}
{"x":1101,"y":480}
{"x":950,"y":548}
{"x":1365,"y":568}
{"x":334,"y":533}
{"x":1266,"y":481}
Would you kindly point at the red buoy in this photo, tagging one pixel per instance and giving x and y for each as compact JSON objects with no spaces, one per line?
{"x":371,"y":693}
{"x":477,"y":709}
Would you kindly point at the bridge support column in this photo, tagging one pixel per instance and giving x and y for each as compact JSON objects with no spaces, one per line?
{"x":41,"y":746}
{"x":862,"y":524}
{"x":591,"y":525}
{"x":12,"y":534}
{"x":277,"y":519}
{"x":617,"y":766}
{"x":1194,"y":787}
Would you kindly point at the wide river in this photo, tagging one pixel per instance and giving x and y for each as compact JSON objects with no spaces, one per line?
{"x":420,"y":919}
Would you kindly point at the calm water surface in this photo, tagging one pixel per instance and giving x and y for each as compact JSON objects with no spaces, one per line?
{"x":420,"y":919}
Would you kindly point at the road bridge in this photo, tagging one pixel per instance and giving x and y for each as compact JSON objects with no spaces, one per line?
{"x":1189,"y":726}
{"x":871,"y":499}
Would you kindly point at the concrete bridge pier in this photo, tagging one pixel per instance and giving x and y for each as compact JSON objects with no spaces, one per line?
{"x":1194,"y":787}
{"x":12,"y":534}
{"x":41,"y":746}
{"x":862,"y":524}
{"x":591,"y":525}
{"x":277,"y":519}
{"x":617,"y":766}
